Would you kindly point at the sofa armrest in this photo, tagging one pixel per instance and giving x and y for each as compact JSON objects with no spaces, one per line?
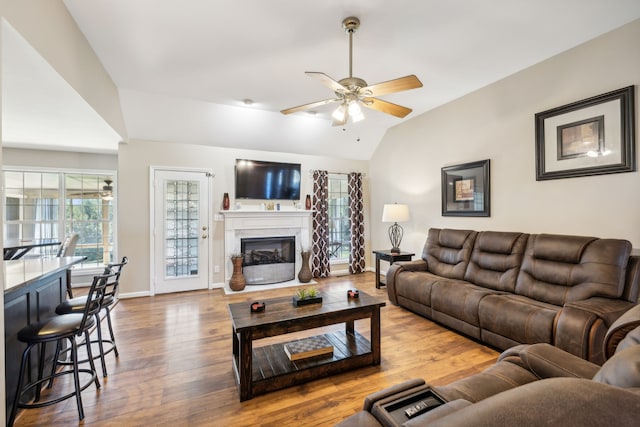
{"x":581,"y":326}
{"x":629,"y":321}
{"x":547,"y":361}
{"x":398,"y":267}
{"x":390,"y":391}
{"x":569,"y":402}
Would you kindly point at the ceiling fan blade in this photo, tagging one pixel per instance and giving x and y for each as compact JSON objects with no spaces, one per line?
{"x":392,"y":86}
{"x":308,"y":106}
{"x":386,"y":107}
{"x":327,"y":81}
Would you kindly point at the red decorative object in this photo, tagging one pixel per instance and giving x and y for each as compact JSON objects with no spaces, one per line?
{"x":353,"y":293}
{"x":307,"y":203}
{"x":225,"y":202}
{"x":258,"y":307}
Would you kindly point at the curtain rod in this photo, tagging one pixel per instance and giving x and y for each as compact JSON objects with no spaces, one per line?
{"x":311,"y":171}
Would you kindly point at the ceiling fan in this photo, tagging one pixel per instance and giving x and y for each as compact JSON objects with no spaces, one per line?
{"x":107,"y":190}
{"x":105,"y":194}
{"x":352,"y":92}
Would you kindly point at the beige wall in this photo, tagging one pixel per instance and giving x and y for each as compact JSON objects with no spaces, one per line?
{"x":58,"y":159}
{"x":497,"y":123}
{"x":137,"y":157}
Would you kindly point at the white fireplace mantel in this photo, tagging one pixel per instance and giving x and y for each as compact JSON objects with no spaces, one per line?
{"x":262,"y":223}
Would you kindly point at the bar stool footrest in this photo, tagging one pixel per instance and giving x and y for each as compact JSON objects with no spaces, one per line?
{"x":97,"y":355}
{"x":41,"y":404}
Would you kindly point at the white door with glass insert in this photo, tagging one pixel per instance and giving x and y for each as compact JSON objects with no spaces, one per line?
{"x":180,"y":231}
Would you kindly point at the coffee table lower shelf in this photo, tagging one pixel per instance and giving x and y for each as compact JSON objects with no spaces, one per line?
{"x":272,"y":369}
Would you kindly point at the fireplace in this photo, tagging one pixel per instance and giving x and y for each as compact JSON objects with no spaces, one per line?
{"x":268,"y":259}
{"x":251,"y":224}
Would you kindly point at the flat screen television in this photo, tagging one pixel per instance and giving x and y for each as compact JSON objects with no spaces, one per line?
{"x":267,"y":180}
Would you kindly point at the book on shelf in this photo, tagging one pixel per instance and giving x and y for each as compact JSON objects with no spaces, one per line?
{"x":308,"y":347}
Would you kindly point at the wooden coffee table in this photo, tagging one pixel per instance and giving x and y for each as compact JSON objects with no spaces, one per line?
{"x":267,"y":368}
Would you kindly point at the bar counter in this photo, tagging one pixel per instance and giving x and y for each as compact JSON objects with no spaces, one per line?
{"x":33,"y":287}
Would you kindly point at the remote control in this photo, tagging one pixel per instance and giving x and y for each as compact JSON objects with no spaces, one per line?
{"x":421,"y":407}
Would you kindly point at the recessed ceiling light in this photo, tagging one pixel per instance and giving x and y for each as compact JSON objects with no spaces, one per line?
{"x":312,"y":112}
{"x":247,"y":101}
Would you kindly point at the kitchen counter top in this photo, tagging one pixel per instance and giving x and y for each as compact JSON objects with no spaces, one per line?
{"x":21,"y":272}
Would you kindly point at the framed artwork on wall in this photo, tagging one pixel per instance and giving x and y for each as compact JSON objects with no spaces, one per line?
{"x":590,"y":137}
{"x":465,"y":189}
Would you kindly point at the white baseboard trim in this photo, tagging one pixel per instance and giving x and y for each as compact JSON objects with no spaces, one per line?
{"x":218,"y":285}
{"x":134,"y":295}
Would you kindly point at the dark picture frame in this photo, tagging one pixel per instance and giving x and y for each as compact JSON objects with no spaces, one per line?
{"x":594,"y":136}
{"x":466,"y":189}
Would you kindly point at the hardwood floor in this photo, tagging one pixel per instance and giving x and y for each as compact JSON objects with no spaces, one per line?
{"x":175,"y":366}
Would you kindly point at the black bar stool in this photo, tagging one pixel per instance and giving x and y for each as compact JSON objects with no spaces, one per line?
{"x":76,"y":305}
{"x":57,"y":329}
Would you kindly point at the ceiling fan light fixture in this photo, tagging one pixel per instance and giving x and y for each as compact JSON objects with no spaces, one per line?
{"x":355,"y":112}
{"x":340,"y":113}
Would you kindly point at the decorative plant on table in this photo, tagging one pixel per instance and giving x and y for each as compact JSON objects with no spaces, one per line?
{"x":305,"y":296}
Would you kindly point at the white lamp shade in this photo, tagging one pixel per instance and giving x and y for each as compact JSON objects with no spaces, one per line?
{"x":395,"y":213}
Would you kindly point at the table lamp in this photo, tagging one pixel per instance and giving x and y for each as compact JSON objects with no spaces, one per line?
{"x":395,"y":213}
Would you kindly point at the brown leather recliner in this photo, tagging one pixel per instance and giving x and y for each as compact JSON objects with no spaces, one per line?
{"x":530,"y":385}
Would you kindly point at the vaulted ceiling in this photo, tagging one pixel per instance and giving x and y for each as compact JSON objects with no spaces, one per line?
{"x":184,"y":68}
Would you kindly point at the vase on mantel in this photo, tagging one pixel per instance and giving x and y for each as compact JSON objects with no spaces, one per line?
{"x":237,"y":281}
{"x":304,"y":276}
{"x":307,"y":202}
{"x":225,"y":202}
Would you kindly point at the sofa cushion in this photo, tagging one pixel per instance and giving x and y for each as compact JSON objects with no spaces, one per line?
{"x":622,"y":370}
{"x":559,"y":269}
{"x":457,"y":299}
{"x":447,"y":252}
{"x":495,"y":260}
{"x":518,"y":318}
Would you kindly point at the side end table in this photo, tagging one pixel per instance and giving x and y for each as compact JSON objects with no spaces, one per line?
{"x":391,"y":257}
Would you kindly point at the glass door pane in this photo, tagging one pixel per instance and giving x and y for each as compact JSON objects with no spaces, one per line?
{"x":182,"y":199}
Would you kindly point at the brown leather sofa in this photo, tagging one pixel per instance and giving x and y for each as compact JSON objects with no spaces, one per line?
{"x":507,"y":289}
{"x":530,"y":385}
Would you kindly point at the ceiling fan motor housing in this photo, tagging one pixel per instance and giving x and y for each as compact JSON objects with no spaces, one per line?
{"x":350,"y":24}
{"x":352,"y":83}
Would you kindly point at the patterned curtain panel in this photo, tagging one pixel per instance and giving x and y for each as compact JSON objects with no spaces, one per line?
{"x":356,"y":217}
{"x":320,"y":239}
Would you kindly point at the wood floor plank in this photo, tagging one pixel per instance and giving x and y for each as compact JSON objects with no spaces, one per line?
{"x":175,"y":365}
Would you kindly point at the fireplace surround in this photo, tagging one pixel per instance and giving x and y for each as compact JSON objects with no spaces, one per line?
{"x":255,"y":224}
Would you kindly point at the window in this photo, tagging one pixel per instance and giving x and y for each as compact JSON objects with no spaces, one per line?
{"x":339,"y":228}
{"x":40,"y":205}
